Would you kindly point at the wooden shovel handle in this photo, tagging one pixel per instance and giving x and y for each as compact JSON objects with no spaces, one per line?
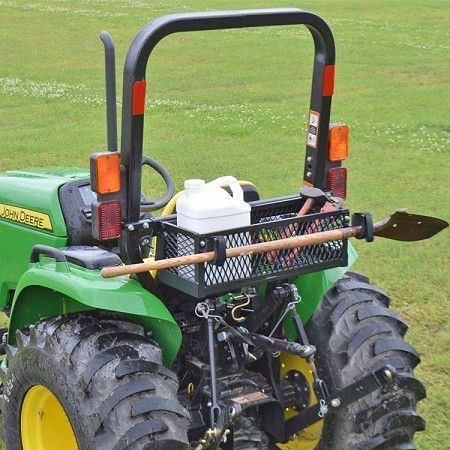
{"x":261,"y":247}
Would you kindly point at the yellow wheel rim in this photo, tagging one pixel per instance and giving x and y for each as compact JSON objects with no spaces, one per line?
{"x":44,"y":423}
{"x":309,"y":438}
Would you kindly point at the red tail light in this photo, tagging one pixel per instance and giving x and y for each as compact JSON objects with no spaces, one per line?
{"x":106,"y":220}
{"x":337,"y":182}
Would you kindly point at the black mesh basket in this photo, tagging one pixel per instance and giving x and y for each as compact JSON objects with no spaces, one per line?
{"x":271,"y":220}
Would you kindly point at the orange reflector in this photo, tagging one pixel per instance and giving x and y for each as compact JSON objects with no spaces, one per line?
{"x":105,"y":173}
{"x":328,"y":81}
{"x":338,"y":143}
{"x":337,"y":182}
{"x":139,"y":88}
{"x":106,"y":220}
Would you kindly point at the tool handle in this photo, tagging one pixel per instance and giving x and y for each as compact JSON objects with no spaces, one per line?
{"x":261,"y":247}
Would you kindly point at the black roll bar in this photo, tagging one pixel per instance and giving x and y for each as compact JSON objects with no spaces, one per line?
{"x":146,"y":40}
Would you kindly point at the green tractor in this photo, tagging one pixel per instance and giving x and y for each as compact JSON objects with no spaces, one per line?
{"x":129,"y":330}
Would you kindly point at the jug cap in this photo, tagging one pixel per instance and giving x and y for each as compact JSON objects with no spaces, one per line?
{"x":193,"y":184}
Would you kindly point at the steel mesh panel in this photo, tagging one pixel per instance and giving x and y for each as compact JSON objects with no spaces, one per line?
{"x":178,"y":244}
{"x":268,"y":224}
{"x":234,"y":268}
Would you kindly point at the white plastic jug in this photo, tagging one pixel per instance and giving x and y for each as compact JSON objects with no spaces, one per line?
{"x":207,"y":208}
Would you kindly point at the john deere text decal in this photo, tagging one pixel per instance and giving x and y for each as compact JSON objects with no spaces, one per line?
{"x":26,"y":216}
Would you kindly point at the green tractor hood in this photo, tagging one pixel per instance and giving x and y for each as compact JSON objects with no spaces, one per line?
{"x":23,"y":193}
{"x":30,"y":214}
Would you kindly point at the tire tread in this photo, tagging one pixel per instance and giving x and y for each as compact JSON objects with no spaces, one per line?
{"x":356,"y":334}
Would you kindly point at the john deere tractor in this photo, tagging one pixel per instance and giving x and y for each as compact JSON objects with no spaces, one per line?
{"x":130,"y":331}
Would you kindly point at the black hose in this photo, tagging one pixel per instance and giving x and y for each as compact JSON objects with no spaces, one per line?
{"x":158,"y":204}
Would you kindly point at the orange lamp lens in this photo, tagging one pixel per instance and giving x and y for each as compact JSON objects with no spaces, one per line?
{"x":107,"y":173}
{"x":338,"y":143}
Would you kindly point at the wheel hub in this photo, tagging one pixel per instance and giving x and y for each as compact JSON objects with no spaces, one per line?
{"x":44,"y":423}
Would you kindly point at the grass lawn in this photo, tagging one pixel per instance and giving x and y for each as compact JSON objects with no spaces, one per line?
{"x":235,"y":102}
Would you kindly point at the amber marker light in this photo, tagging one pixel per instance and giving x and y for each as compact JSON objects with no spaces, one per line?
{"x":105,"y":173}
{"x":338,"y":143}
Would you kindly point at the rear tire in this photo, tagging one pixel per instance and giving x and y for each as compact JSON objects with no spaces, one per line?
{"x":107,"y":375}
{"x":355,"y":333}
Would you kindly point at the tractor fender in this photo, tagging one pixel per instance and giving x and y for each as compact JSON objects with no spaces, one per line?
{"x":52,"y":288}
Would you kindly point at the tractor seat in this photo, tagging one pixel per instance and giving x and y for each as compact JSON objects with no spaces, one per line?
{"x":250,"y":192}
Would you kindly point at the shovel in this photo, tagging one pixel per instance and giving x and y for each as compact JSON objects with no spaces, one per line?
{"x":400,"y":226}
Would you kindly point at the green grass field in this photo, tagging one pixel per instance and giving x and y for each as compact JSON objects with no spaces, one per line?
{"x":235,"y":102}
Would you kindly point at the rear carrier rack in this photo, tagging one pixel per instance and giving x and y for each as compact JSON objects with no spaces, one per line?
{"x":271,"y":220}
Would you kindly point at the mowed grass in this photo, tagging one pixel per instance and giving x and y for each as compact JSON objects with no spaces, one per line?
{"x":235,"y":102}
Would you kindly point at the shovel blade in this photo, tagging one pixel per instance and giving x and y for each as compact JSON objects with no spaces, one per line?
{"x":403,"y":226}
